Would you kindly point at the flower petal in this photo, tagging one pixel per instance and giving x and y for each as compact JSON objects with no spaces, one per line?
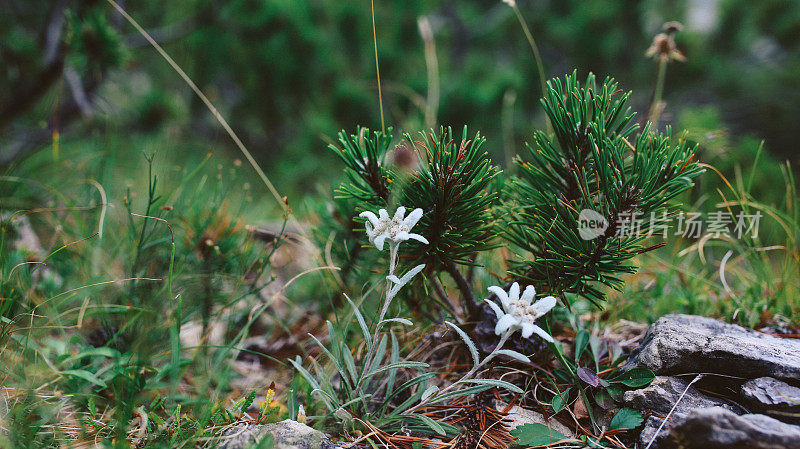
{"x":527,"y":329}
{"x":401,"y":236}
{"x":418,"y":238}
{"x":399,"y":214}
{"x":540,"y":332}
{"x":379,"y":241}
{"x":505,"y":323}
{"x":371,"y":217}
{"x":501,"y":295}
{"x":544,"y":305}
{"x":528,"y":294}
{"x":513,"y":292}
{"x":413,"y":218}
{"x":498,"y":312}
{"x":383,"y":214}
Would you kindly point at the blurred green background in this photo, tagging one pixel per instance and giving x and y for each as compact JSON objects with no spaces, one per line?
{"x":289,"y":74}
{"x":83,"y":96}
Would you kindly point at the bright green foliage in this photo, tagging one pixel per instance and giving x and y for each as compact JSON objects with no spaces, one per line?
{"x":535,"y":434}
{"x":595,"y":162}
{"x":453,"y":190}
{"x":626,"y":418}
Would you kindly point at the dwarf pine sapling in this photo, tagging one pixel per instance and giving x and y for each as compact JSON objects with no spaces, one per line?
{"x":593,"y":162}
{"x":453,"y":186}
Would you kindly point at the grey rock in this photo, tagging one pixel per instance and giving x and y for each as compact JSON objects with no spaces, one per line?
{"x":661,"y":395}
{"x":679,"y":344}
{"x":716,"y":428}
{"x":286,"y":434}
{"x":651,"y":431}
{"x":773,"y":397}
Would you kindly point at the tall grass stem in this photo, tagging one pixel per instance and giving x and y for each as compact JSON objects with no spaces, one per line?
{"x":536,"y":55}
{"x":377,"y":66}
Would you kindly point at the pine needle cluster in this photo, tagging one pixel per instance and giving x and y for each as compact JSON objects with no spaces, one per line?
{"x":368,"y":178}
{"x":454,"y":190}
{"x":593,"y":161}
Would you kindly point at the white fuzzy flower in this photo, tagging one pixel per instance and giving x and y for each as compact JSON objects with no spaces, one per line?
{"x":397,"y":229}
{"x":520,"y":312}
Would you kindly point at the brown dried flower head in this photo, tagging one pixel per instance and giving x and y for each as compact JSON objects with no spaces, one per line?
{"x":664,"y":47}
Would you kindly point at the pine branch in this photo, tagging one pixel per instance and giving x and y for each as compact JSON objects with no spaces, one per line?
{"x":453,"y":188}
{"x":467,"y":297}
{"x":368,"y":178}
{"x":590,"y":165}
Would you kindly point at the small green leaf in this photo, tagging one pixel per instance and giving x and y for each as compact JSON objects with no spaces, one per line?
{"x":535,"y":434}
{"x":85,"y":375}
{"x":332,"y":357}
{"x":514,"y":355}
{"x":462,"y":393}
{"x":361,"y":322}
{"x":626,"y":418}
{"x":298,"y":365}
{"x":429,"y":392}
{"x":603,"y":399}
{"x":393,"y":358}
{"x":392,"y":366}
{"x":472,"y":349}
{"x":635,"y":378}
{"x":581,"y":342}
{"x":103,"y":351}
{"x":248,"y":401}
{"x":435,"y":426}
{"x":560,"y":400}
{"x":90,"y":405}
{"x":347,"y":356}
{"x":496,"y":383}
{"x":595,"y":346}
{"x":398,"y":320}
{"x":616,"y":393}
{"x":380,"y":353}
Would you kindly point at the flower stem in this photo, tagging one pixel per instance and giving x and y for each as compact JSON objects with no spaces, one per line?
{"x":655,"y":106}
{"x":469,"y":374}
{"x":393,"y":250}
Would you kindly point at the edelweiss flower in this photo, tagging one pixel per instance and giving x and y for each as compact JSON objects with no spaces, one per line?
{"x":520,"y":313}
{"x":396,"y":229}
